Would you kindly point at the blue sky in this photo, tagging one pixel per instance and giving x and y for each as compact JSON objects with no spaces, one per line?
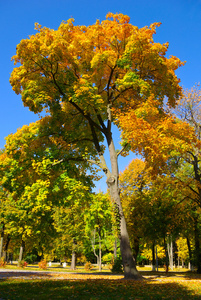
{"x":181,"y":27}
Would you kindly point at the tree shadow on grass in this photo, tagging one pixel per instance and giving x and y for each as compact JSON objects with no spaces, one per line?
{"x":185,"y":275}
{"x":96,"y":289}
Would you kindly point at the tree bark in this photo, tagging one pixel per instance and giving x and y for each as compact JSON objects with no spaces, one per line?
{"x":197,"y":246}
{"x":22,"y":247}
{"x":129,"y":264}
{"x":153,"y":257}
{"x":100,"y":253}
{"x":2,"y":237}
{"x":190,"y":253}
{"x":73,"y":259}
{"x":5,"y":249}
{"x":166,"y":256}
{"x":170,"y":252}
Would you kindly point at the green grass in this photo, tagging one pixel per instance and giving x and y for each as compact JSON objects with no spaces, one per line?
{"x":55,"y":268}
{"x":175,"y":286}
{"x":97,"y":289}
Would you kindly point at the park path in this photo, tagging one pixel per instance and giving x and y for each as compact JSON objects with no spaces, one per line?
{"x":28,"y":274}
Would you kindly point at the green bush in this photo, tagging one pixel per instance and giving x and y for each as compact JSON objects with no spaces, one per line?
{"x":31,"y":258}
{"x":117,"y":265}
{"x":107,"y":258}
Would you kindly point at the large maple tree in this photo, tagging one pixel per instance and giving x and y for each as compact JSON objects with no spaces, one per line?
{"x":84,"y":77}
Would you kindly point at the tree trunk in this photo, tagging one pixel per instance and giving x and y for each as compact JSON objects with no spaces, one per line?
{"x":129,"y":264}
{"x":73,"y":259}
{"x":2,"y":237}
{"x":170,"y":252}
{"x":190,"y":253}
{"x":166,"y":256}
{"x":1,"y":246}
{"x":21,"y":250}
{"x":153,"y":257}
{"x":94,"y":250}
{"x":156,"y":260}
{"x":197,"y":246}
{"x":100,"y":254}
{"x":5,"y":249}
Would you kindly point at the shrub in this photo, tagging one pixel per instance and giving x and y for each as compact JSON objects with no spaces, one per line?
{"x":107,"y":258}
{"x":117,"y":265}
{"x":31,"y":258}
{"x":22,"y":264}
{"x":88,"y":266}
{"x":2,"y":262}
{"x":43,"y":264}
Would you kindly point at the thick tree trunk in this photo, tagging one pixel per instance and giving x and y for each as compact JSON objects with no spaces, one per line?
{"x":129,"y":264}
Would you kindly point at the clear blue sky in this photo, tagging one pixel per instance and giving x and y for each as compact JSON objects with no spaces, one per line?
{"x":181,"y":27}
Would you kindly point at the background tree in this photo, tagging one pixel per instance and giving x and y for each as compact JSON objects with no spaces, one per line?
{"x":34,"y":186}
{"x":98,"y":220}
{"x":188,"y":174}
{"x":154,"y":210}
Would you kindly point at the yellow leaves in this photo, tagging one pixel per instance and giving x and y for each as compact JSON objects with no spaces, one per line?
{"x":147,"y":252}
{"x":120,"y":18}
{"x":88,"y":65}
{"x":182,"y":247}
{"x":154,"y":134}
{"x":37,"y":26}
{"x":106,"y":58}
{"x":86,"y":95}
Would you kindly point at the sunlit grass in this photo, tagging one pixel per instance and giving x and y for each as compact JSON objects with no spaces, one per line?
{"x":56,"y":267}
{"x":166,"y":288}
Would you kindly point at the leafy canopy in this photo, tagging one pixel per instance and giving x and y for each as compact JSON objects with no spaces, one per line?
{"x":91,"y":70}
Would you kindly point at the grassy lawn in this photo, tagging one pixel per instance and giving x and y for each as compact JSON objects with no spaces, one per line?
{"x":99,"y":289}
{"x":175,"y":285}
